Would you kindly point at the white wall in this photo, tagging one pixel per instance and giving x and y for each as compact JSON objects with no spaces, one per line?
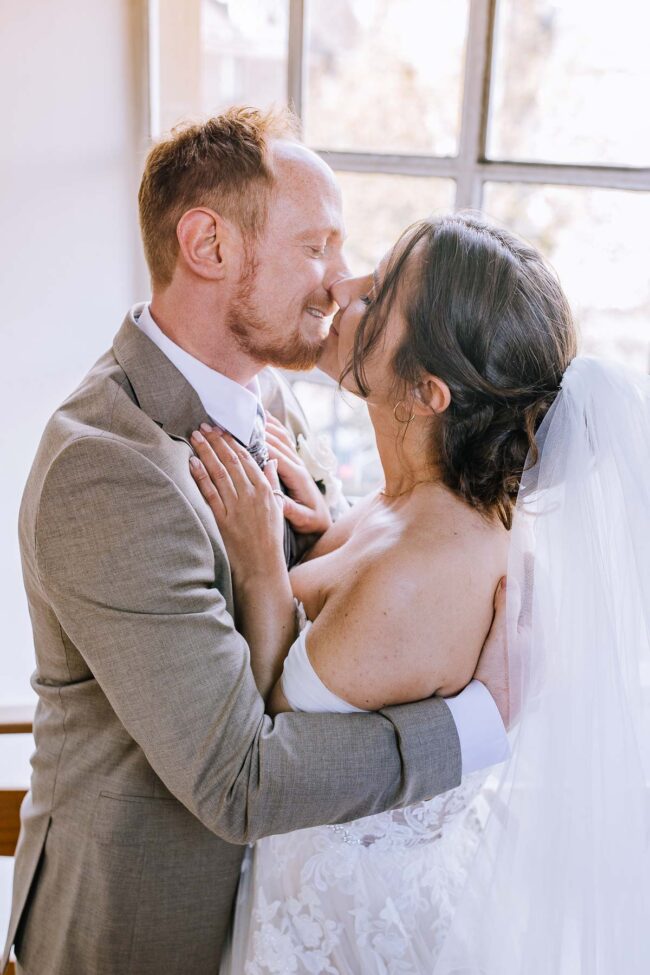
{"x":73,"y":110}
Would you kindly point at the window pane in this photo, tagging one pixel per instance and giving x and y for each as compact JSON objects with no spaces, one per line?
{"x":343,"y":418}
{"x":571,"y":82}
{"x":377,"y":208}
{"x":244,"y":53}
{"x":385,"y":75}
{"x":597,"y":240}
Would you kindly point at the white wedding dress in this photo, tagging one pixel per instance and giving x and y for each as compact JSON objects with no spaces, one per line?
{"x":374,"y":896}
{"x":543,"y":868}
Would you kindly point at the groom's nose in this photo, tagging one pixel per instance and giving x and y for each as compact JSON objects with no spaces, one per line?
{"x":343,"y":290}
{"x":340,"y":291}
{"x":338,"y":271}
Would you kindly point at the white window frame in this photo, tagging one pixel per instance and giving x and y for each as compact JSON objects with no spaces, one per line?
{"x":469,"y":168}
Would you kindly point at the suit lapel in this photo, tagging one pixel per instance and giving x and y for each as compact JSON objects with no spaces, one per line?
{"x":162,"y":392}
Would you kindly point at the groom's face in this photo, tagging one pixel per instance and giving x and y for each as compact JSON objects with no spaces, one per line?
{"x":281,"y":312}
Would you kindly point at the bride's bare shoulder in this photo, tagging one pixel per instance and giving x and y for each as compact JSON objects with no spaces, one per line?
{"x":339,"y":533}
{"x":413,"y":619}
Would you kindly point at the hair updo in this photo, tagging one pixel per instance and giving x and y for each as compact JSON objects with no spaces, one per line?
{"x":487,"y":315}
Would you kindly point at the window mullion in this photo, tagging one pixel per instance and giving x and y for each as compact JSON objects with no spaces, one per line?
{"x":296,"y":57}
{"x":153,"y":68}
{"x":476,"y":94}
{"x":604,"y":177}
{"x":391,"y":163}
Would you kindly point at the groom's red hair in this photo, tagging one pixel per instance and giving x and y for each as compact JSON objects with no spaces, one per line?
{"x":223,"y":164}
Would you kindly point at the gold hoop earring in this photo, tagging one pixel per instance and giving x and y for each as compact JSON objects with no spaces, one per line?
{"x":399,"y":419}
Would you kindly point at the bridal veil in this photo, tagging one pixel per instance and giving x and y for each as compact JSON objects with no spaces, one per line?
{"x":561,"y":881}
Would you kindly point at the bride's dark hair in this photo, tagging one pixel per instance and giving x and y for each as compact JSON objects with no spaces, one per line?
{"x":487,"y":315}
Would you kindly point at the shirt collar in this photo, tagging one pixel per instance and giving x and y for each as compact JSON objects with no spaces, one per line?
{"x":229,"y":405}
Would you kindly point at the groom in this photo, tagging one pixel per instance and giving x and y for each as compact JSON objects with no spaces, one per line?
{"x":155,"y":762}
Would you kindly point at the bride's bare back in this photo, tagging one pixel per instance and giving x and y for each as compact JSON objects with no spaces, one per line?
{"x":401,"y":593}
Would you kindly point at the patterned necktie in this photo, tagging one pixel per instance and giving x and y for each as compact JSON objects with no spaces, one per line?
{"x":259,"y":451}
{"x":257,"y":447}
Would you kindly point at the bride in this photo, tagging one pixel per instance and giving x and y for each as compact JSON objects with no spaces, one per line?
{"x":463,"y":346}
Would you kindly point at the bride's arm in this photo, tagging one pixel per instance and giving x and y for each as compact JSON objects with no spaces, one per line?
{"x":250,"y":519}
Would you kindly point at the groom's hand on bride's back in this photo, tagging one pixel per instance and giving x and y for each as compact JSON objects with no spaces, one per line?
{"x":497,"y":667}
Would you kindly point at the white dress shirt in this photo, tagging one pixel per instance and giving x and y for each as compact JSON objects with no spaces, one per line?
{"x":229,"y":405}
{"x":482,"y":735}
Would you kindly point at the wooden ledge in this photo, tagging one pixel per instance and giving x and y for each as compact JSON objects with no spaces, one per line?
{"x":16,"y":720}
{"x":10,"y":800}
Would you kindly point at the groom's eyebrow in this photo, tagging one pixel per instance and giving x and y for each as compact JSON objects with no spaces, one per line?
{"x":319,"y":231}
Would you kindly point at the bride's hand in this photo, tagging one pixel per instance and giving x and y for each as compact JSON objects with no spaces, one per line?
{"x":499,"y":666}
{"x":245,"y":501}
{"x":304,"y":506}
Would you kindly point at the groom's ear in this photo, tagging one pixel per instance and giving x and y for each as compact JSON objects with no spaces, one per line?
{"x":207,"y":243}
{"x":431,"y":395}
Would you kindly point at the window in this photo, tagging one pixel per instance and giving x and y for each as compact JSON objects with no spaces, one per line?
{"x":530,"y":110}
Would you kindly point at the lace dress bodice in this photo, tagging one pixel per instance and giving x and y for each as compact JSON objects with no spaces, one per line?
{"x":374,"y":896}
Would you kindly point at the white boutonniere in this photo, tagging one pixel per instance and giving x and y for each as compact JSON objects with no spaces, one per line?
{"x":320,"y":460}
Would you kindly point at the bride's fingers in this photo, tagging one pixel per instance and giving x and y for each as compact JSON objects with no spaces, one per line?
{"x":281,"y":446}
{"x":233,"y":456}
{"x":248,"y":467}
{"x":297,"y":514}
{"x":208,"y":489}
{"x":216,"y":469}
{"x":286,"y":466}
{"x":271,"y":474}
{"x":280,"y":431}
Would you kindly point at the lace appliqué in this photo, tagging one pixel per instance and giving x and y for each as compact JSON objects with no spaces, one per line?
{"x":374,"y":896}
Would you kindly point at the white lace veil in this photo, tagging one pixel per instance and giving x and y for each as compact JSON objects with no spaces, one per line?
{"x":561,"y":881}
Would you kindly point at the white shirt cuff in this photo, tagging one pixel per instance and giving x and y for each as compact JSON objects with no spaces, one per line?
{"x":482,"y":734}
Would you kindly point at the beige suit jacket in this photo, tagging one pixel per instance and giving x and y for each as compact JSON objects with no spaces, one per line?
{"x":155,"y":761}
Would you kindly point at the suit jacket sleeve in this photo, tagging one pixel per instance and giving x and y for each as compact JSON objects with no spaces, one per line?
{"x":130,"y":570}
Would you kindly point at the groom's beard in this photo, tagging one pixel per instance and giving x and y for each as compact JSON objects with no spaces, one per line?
{"x":292,"y":351}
